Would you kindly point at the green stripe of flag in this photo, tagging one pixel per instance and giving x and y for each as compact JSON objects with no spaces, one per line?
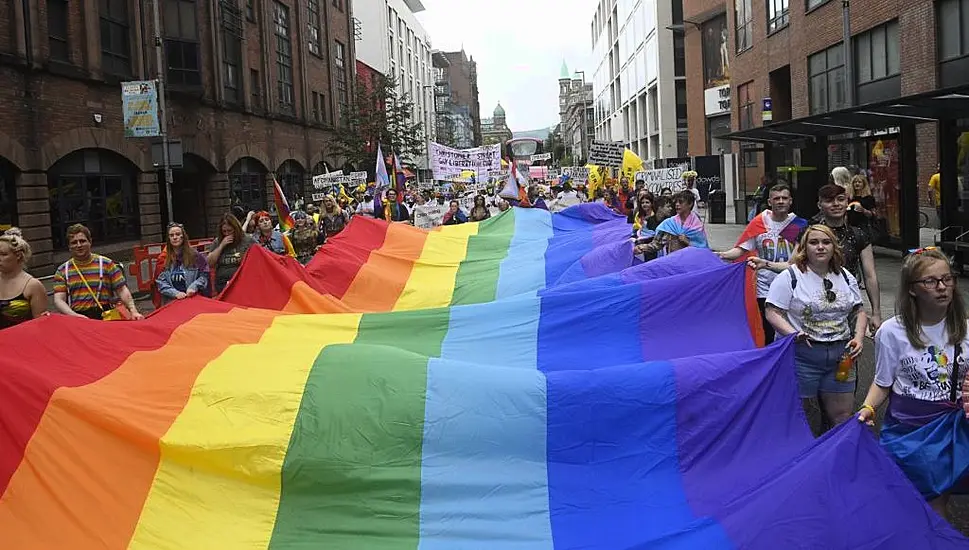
{"x":477,"y":278}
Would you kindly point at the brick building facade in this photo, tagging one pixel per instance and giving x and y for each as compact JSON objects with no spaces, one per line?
{"x":772,"y":44}
{"x":253,"y":89}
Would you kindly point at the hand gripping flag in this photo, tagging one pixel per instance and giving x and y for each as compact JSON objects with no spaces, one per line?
{"x":286,"y":223}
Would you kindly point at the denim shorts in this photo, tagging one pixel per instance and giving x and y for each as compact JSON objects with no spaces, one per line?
{"x":816,"y":365}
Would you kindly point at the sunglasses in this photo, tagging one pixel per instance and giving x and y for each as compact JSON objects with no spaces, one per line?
{"x":829,"y":294}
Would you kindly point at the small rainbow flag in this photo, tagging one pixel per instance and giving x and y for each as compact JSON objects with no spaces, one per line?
{"x":286,"y":222}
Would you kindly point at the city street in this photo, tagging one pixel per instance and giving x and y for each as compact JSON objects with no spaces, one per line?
{"x":887,"y":263}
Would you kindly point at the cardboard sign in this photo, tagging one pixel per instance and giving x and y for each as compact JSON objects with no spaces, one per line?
{"x":606,"y":153}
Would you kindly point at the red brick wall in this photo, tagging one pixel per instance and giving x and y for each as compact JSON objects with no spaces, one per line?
{"x":47,"y":114}
{"x":822,"y":27}
{"x":698,"y":11}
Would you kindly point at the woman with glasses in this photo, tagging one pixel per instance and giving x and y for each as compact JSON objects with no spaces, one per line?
{"x":920,"y":367}
{"x":186,"y":271}
{"x":818,"y":300}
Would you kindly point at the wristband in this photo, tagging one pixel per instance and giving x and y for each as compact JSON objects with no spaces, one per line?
{"x":869,"y":407}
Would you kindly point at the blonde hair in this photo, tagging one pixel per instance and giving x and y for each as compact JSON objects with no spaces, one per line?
{"x":842,"y":178}
{"x":865,"y":188}
{"x":800,"y":258}
{"x":906,"y":307}
{"x":18,"y":245}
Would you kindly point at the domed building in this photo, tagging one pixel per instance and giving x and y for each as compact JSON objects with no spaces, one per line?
{"x":495,"y":130}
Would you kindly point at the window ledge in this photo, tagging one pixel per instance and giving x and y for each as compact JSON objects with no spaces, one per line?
{"x":778,"y":29}
{"x":808,"y":10}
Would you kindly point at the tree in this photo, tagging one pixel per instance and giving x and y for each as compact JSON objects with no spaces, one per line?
{"x":377,"y":115}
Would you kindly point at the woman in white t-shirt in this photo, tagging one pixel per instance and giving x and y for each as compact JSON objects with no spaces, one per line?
{"x":921,"y":364}
{"x":818,"y":300}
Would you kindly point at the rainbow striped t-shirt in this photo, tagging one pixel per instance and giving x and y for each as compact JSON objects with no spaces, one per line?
{"x":102,"y":274}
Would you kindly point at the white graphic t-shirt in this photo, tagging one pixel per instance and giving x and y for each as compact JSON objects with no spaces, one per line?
{"x":808,"y":308}
{"x":924,"y":374}
{"x":772,"y":247}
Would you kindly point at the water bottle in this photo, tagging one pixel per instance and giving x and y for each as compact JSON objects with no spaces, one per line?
{"x":844,"y":367}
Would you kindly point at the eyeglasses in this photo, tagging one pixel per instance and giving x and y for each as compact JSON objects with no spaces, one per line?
{"x":829,"y":294}
{"x":175,"y":224}
{"x":929,"y":283}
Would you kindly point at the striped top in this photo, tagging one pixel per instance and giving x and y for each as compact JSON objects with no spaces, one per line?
{"x":102,"y":274}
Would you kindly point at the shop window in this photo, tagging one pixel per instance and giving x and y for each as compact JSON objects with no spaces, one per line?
{"x":115,"y":37}
{"x":8,"y":195}
{"x":744,"y":24}
{"x":291,"y":176}
{"x":778,"y":15}
{"x":826,"y":80}
{"x":96,"y":188}
{"x":247,"y":184}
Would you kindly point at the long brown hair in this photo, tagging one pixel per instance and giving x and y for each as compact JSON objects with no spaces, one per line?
{"x":800,"y":258}
{"x":234,"y":223}
{"x":907,"y":308}
{"x":188,"y":254}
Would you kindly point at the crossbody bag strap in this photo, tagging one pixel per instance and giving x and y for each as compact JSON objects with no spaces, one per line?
{"x":89,"y":289}
{"x":954,"y":386}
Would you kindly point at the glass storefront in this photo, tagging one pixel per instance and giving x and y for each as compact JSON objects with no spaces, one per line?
{"x":876,"y":157}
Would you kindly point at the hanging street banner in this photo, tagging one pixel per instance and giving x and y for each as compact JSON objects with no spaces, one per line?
{"x":139,"y":105}
{"x":606,"y":153}
{"x":447,"y":162}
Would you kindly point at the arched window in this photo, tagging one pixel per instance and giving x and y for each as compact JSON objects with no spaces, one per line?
{"x":247,"y":184}
{"x":97,"y":188}
{"x":291,"y":176}
{"x":8,"y":194}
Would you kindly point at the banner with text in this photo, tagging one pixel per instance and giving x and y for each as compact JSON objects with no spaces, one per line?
{"x":447,"y":162}
{"x":606,"y":153}
{"x":663,"y":178}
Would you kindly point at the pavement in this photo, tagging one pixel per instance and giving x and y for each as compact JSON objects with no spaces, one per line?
{"x":888,"y":263}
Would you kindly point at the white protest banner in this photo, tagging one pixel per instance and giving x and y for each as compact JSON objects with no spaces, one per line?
{"x":447,"y":162}
{"x":428,"y":216}
{"x":579,"y":174}
{"x":541,"y":157}
{"x":606,"y":153}
{"x":317,"y":197}
{"x":334,"y":178}
{"x":663,"y":178}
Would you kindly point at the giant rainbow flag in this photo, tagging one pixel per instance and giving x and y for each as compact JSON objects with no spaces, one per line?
{"x":513,"y":384}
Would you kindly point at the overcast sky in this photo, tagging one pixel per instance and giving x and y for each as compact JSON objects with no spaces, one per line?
{"x":519,"y":46}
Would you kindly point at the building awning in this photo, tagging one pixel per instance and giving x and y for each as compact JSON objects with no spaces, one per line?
{"x":945,"y":104}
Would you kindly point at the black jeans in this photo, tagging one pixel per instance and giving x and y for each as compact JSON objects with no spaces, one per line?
{"x":768,"y":328}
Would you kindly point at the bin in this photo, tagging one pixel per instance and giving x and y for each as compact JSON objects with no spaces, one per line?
{"x":717,"y":207}
{"x":740,"y":211}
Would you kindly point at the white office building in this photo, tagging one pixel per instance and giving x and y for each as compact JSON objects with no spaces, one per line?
{"x":394,"y":43}
{"x":639,"y":82}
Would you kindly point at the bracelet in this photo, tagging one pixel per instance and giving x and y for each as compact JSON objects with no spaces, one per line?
{"x":869,"y":407}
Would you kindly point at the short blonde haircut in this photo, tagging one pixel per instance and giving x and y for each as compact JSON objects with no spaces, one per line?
{"x":18,"y":245}
{"x":800,"y":258}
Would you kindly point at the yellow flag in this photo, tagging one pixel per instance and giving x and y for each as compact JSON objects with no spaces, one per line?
{"x":631,"y":163}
